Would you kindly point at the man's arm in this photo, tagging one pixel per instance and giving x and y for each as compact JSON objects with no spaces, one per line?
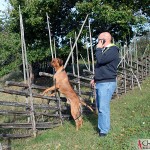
{"x":108,"y":56}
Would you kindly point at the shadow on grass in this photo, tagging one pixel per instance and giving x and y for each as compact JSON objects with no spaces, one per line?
{"x":89,"y":117}
{"x":92,"y":118}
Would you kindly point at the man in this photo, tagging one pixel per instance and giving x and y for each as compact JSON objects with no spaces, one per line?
{"x":107,"y":56}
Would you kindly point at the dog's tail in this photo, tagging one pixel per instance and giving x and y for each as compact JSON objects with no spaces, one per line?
{"x":83,"y":103}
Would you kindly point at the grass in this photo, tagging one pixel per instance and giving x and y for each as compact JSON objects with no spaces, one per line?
{"x":130,"y":121}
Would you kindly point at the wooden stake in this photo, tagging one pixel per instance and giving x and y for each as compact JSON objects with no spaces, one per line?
{"x":50,"y":40}
{"x":75,"y":42}
{"x":28,"y":75}
{"x":87,"y":49}
{"x":55,"y":48}
{"x":84,"y":62}
{"x":73,"y":69}
{"x":92,"y":55}
{"x":78,"y":72}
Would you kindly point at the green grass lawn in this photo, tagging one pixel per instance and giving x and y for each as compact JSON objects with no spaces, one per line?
{"x":130,"y":121}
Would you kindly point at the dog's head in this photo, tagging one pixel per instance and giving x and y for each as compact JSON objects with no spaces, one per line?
{"x":56,"y":63}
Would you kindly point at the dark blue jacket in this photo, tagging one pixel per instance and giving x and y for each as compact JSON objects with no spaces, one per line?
{"x":106,"y":65}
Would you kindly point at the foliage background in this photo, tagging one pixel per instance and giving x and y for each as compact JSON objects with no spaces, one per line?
{"x":123,"y":19}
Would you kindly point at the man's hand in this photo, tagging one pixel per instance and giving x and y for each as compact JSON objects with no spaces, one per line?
{"x":100,"y":44}
{"x":92,"y":83}
{"x":52,"y":88}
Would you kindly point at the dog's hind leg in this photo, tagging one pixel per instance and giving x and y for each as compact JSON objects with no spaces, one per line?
{"x":76,"y":114}
{"x":79,"y":123}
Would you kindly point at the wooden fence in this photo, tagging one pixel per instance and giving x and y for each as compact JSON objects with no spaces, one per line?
{"x":51,"y":111}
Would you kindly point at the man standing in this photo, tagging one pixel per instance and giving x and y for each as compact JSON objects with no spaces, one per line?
{"x":107,"y":57}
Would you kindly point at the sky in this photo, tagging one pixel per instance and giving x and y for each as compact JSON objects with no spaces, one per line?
{"x":3,"y":5}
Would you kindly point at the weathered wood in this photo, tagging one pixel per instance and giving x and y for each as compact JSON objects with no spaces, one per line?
{"x":23,"y":93}
{"x":75,"y":81}
{"x":50,"y":75}
{"x":16,"y":104}
{"x":9,"y":112}
{"x":20,"y":84}
{"x":36,"y":106}
{"x":46,"y":74}
{"x":12,"y":83}
{"x":139,"y":64}
{"x":87,"y":71}
{"x":75,"y":42}
{"x":71,"y":81}
{"x":27,"y":113}
{"x":29,"y":125}
{"x":52,"y":115}
{"x":127,"y":69}
{"x":15,"y":136}
{"x":84,"y":93}
{"x":127,"y":78}
{"x":80,"y":77}
{"x":69,"y":74}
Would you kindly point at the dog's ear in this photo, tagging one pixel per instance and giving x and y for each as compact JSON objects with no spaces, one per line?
{"x":60,"y":61}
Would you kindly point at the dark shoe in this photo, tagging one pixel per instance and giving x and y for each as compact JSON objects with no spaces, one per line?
{"x":102,"y":134}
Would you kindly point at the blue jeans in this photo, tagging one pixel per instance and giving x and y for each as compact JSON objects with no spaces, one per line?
{"x":104,"y":92}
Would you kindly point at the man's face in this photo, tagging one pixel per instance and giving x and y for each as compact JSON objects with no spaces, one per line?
{"x":101,"y":39}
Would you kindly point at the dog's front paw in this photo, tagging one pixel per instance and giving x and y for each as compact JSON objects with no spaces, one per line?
{"x":44,"y":92}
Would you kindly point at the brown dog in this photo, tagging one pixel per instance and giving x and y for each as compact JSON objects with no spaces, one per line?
{"x":63,"y":85}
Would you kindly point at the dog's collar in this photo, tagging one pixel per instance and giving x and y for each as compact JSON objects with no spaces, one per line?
{"x":57,"y":72}
{"x":60,"y":71}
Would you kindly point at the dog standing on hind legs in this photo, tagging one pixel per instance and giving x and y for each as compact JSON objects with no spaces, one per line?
{"x":63,"y":85}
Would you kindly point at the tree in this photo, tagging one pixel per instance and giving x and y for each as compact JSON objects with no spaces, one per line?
{"x":35,"y":22}
{"x":10,"y":52}
{"x":66,"y":18}
{"x":10,"y":47}
{"x":117,"y":17}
